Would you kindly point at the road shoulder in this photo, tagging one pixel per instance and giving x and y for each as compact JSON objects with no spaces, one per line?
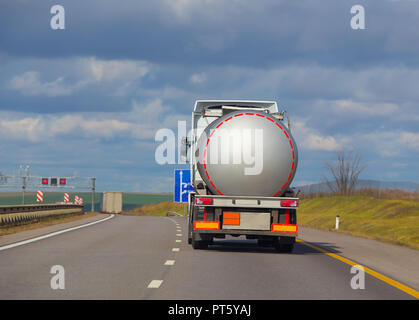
{"x":398,"y":263}
{"x":29,"y":234}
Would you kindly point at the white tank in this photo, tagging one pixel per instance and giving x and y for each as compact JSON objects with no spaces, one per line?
{"x":247,"y":154}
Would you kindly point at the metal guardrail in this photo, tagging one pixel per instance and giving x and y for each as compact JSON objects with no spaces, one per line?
{"x":36,"y":207}
{"x":18,"y":214}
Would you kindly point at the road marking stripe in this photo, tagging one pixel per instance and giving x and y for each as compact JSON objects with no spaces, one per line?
{"x":154,"y":284}
{"x":169,"y":262}
{"x":49,"y":235}
{"x":373,"y":273}
{"x":178,"y":240}
{"x":179,"y":234}
{"x":175,"y":249}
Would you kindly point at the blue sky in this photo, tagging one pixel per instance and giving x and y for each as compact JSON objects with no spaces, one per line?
{"x":90,"y":98}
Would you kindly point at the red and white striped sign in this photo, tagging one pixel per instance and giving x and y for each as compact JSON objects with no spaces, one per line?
{"x":80,"y":201}
{"x":76,"y":200}
{"x":66,"y":197}
{"x":39,"y":196}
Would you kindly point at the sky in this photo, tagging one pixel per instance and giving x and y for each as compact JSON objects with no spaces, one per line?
{"x":89,"y":99}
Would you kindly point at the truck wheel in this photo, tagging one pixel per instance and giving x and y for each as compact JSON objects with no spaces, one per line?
{"x":199,"y":244}
{"x":284,"y":248}
{"x":189,"y":240}
{"x":264,"y":243}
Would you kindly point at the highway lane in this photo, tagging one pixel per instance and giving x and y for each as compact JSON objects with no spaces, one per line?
{"x":120,"y":258}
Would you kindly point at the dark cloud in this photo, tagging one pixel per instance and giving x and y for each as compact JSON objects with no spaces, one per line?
{"x":250,"y":33}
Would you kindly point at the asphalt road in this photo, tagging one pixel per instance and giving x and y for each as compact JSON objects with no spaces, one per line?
{"x":120,"y":258}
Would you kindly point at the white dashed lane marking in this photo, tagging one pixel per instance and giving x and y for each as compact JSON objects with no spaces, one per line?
{"x":154,"y":284}
{"x":178,"y":240}
{"x":179,"y":234}
{"x":175,"y":249}
{"x":169,"y":262}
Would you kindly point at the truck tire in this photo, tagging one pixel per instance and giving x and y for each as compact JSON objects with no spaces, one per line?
{"x":199,"y":244}
{"x":265,"y":243}
{"x":285,"y":247}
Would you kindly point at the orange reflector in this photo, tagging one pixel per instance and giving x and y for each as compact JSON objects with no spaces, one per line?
{"x":277,"y":227}
{"x":231,"y":218}
{"x":213,"y":225}
{"x":232,"y":215}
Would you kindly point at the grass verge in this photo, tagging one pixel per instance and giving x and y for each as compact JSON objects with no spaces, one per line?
{"x":158,"y":209}
{"x":45,"y":222}
{"x":392,"y":221}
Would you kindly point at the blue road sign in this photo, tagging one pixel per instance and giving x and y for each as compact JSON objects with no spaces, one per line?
{"x":182,"y":185}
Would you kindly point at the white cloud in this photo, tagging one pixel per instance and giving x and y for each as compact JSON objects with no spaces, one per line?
{"x":311,"y":139}
{"x":141,"y":122}
{"x":24,"y":129}
{"x":198,"y":78}
{"x":385,"y":143}
{"x":75,"y":74}
{"x":29,"y":83}
{"x":361,"y":108}
{"x":410,"y":140}
{"x":110,"y":70}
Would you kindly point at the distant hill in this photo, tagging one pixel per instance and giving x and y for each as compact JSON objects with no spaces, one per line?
{"x":322,"y":187}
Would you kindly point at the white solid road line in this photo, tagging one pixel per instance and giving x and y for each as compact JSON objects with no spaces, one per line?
{"x":169,"y":262}
{"x":154,"y":284}
{"x":49,"y":235}
{"x":175,"y":249}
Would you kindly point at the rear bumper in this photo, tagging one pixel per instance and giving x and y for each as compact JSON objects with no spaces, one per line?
{"x":247,"y":232}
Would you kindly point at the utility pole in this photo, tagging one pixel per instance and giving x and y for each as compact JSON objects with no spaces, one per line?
{"x":93,"y":193}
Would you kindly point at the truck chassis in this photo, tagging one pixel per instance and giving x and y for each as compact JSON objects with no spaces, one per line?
{"x":270,"y":220}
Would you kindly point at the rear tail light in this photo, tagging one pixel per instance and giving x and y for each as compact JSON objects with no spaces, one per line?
{"x":209,"y":225}
{"x":203,"y":201}
{"x":289,"y":203}
{"x":291,"y":228}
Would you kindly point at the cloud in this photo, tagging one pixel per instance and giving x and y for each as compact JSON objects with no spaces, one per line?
{"x":311,"y":139}
{"x":110,"y":70}
{"x":198,"y":78}
{"x":72,"y":75}
{"x":140,"y":123}
{"x":29,"y":83}
{"x":245,"y":33}
{"x":343,"y":107}
{"x":410,"y":140}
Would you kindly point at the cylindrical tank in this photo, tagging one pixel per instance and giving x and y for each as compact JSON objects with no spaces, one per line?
{"x":247,"y":153}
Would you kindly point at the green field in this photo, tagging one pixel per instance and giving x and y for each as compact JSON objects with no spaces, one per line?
{"x":393,"y":221}
{"x":158,"y":209}
{"x":130,"y":200}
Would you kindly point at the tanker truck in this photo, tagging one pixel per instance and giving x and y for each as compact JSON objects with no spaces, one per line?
{"x":243,"y":159}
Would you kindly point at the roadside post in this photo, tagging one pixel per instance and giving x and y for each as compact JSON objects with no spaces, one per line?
{"x":337,"y":222}
{"x":23,"y":189}
{"x":93,"y":193}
